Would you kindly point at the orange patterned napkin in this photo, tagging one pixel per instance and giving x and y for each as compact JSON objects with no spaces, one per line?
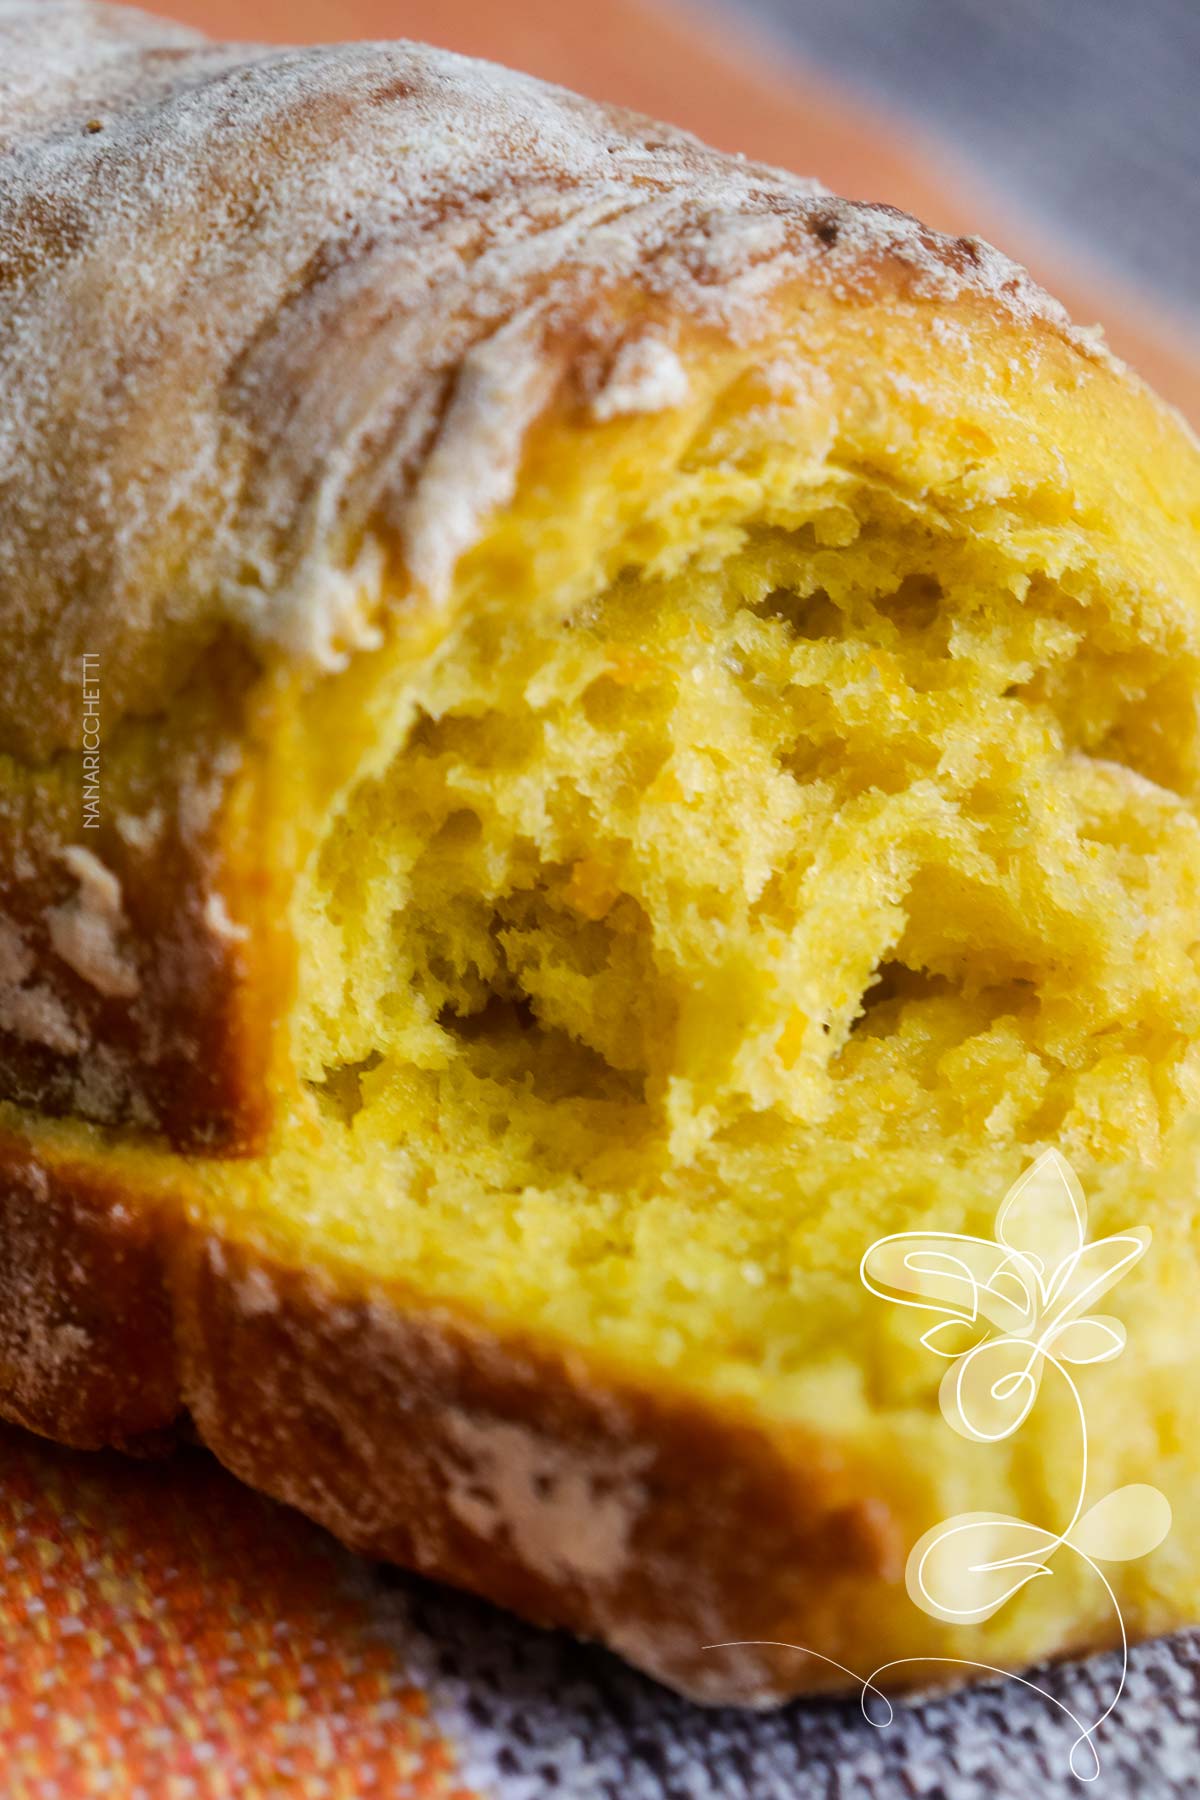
{"x":165,"y":1632}
{"x":167,"y":1635}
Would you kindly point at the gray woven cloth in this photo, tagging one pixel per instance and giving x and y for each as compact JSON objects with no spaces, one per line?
{"x":535,"y":1716}
{"x":260,"y":1627}
{"x":1086,"y":110}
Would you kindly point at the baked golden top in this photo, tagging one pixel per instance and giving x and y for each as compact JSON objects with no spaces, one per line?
{"x":254,"y":302}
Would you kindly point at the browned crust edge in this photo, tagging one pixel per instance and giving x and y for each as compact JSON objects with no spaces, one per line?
{"x":188,"y":1054}
{"x":86,"y":1341}
{"x":562,"y":1492}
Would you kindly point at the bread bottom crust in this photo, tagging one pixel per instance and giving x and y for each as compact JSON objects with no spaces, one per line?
{"x":87,"y":1352}
{"x":657,"y":1525}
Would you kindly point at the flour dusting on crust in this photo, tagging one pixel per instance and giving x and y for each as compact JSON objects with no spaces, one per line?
{"x":563,"y":1513}
{"x":646,"y":377}
{"x":471,"y":470}
{"x":395,"y":253}
{"x":17,"y":961}
{"x":86,"y":930}
{"x":218,"y":921}
{"x":28,"y":1009}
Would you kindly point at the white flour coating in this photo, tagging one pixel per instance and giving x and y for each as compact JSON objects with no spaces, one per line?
{"x":38,"y":1345}
{"x":564,"y":1514}
{"x":202,"y":790}
{"x":218,"y":921}
{"x":39,"y":1017}
{"x":86,"y":929}
{"x":345,"y":604}
{"x":141,"y":830}
{"x":471,"y":469}
{"x":31,"y":1012}
{"x":256,"y":1293}
{"x":256,"y":303}
{"x":646,"y":377}
{"x":101,"y":1091}
{"x":17,"y":961}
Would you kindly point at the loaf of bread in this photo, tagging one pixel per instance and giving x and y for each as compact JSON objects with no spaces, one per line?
{"x":586,"y":731}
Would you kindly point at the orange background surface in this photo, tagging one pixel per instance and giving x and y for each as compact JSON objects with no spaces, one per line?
{"x":168,"y":1635}
{"x":715,"y":75}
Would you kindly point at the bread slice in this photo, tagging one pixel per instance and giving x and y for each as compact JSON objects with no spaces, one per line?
{"x":648,"y":740}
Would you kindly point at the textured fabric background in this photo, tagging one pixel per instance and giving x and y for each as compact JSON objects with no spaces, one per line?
{"x":165,"y":1635}
{"x":1086,"y":109}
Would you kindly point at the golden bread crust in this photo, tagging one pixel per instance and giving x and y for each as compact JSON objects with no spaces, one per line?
{"x":428,"y":290}
{"x":403,"y":261}
{"x":567,"y":1492}
{"x":86,"y":1350}
{"x":355,"y":226}
{"x":125,"y":990}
